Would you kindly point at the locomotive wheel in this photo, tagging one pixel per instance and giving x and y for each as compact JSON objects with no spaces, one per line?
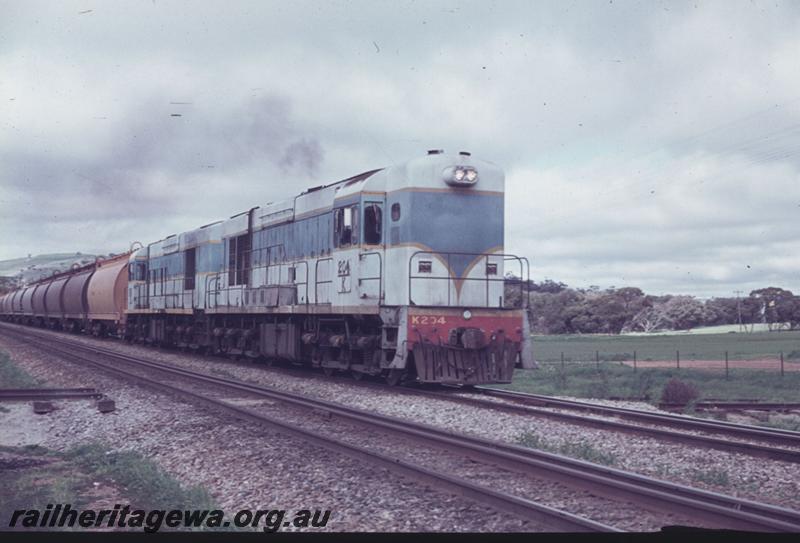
{"x":357,"y":375}
{"x":316,"y":356}
{"x":327,"y":371}
{"x":394,"y":377}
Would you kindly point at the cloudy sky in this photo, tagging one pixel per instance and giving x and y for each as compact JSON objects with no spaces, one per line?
{"x":651,"y":144}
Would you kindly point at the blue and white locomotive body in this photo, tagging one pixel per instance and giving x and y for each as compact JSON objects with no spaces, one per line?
{"x":396,"y":272}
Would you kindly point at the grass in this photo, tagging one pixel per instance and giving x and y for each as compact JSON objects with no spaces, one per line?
{"x":144,"y":482}
{"x":12,"y":376}
{"x":740,"y":346}
{"x":713,"y":476}
{"x":223,"y":373}
{"x":40,"y":477}
{"x":782,"y":422}
{"x":614,"y":380}
{"x":36,"y":479}
{"x":582,"y":450}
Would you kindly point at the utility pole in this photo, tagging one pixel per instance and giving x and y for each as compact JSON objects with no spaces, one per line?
{"x":739,"y":307}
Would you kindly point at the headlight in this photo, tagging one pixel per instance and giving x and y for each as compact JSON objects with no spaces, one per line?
{"x":467,"y":314}
{"x":460,"y":175}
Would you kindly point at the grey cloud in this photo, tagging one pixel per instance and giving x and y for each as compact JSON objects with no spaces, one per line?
{"x":302,"y":156}
{"x":642,"y":145}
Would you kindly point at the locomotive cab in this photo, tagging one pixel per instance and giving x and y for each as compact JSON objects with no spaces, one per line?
{"x":445,"y":270}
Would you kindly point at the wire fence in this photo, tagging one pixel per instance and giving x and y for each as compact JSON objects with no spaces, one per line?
{"x":776,"y":362}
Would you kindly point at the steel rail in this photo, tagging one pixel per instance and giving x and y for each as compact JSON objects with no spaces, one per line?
{"x":772,"y":435}
{"x":20,"y":394}
{"x":502,"y":501}
{"x":727,"y":511}
{"x":732,"y":405}
{"x":752,"y":449}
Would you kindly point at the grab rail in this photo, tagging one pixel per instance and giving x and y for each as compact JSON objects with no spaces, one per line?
{"x":524,"y":276}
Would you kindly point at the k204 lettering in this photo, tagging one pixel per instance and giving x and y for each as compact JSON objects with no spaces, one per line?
{"x":427,"y":319}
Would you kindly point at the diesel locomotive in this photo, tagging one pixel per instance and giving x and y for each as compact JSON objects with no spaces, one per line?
{"x":396,"y":272}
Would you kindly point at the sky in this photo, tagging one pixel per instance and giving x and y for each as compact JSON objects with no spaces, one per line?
{"x":650,"y":144}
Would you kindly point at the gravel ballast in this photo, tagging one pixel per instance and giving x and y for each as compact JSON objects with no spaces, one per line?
{"x":736,"y":474}
{"x":242,"y":466}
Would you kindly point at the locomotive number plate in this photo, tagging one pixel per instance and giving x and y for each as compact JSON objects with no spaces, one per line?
{"x":428,"y":319}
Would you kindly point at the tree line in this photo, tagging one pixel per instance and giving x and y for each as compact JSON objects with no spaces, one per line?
{"x":556,"y":308}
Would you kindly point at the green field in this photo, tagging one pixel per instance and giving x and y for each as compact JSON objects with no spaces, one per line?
{"x":581,"y":377}
{"x":613,"y":380}
{"x":740,"y":346}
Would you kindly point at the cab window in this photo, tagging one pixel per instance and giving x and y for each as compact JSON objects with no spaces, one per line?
{"x":373,"y":223}
{"x":345,"y":226}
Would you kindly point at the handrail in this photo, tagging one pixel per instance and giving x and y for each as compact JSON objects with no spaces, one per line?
{"x":379,"y":278}
{"x":266,"y":266}
{"x":524,"y":268}
{"x":317,"y":282}
{"x":215,"y":277}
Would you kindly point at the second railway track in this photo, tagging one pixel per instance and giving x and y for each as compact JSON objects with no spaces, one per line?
{"x":772,"y":435}
{"x":522,"y":404}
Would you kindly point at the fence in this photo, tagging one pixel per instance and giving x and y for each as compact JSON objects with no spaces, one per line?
{"x":777,"y":362}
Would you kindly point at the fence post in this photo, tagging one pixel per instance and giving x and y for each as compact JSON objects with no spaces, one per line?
{"x":562,"y":360}
{"x":678,"y":359}
{"x":781,"y":363}
{"x":726,"y":365}
{"x":634,"y":361}
{"x":597,"y":359}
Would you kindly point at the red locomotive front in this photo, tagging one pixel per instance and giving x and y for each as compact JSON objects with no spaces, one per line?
{"x":465,"y":345}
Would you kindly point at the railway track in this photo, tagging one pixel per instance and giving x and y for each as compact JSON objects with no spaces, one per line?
{"x":538,"y":408}
{"x":736,"y":405}
{"x":728,"y":429}
{"x":784,"y":438}
{"x":22,"y":394}
{"x":706,"y":508}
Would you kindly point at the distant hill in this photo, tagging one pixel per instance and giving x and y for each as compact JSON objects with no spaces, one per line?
{"x":31,"y":268}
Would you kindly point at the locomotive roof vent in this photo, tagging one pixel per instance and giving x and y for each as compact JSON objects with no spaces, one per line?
{"x":465,"y":153}
{"x":435,"y":151}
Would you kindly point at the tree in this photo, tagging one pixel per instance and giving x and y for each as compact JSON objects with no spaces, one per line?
{"x":648,"y":319}
{"x":674,"y":313}
{"x":549,"y":311}
{"x":685,"y":312}
{"x":722,"y":311}
{"x":606,"y":311}
{"x":777,"y":305}
{"x":549,"y":286}
{"x":557,"y":309}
